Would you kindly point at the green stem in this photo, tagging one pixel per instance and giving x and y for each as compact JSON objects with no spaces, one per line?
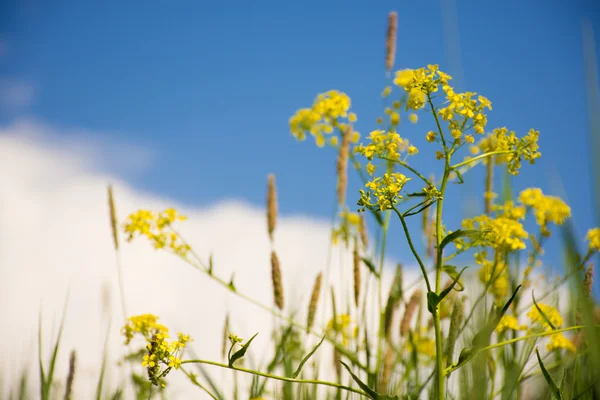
{"x":412,"y":248}
{"x":521,"y":338}
{"x":437,"y":121}
{"x":195,"y":382}
{"x":277,"y":377}
{"x":408,"y":167}
{"x":439,"y":372}
{"x":479,"y":157}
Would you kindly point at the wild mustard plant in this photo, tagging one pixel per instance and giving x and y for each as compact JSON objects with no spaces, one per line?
{"x":425,"y":330}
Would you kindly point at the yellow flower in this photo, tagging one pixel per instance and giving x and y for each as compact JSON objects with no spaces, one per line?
{"x":403,"y":77}
{"x":501,"y":233}
{"x":593,"y":237}
{"x":509,"y":322}
{"x":149,"y":360}
{"x":546,"y":209}
{"x":412,"y":150}
{"x":423,"y":344}
{"x":550,"y":312}
{"x":394,"y":118}
{"x":386,"y":190}
{"x":413,"y":118}
{"x":370,"y":168}
{"x":174,"y":362}
{"x":386,"y":91}
{"x":327,"y":112}
{"x":559,"y":341}
{"x":430,"y":137}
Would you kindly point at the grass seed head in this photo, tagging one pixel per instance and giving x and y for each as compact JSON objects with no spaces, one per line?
{"x":390,"y":40}
{"x":271,"y":205}
{"x":276,"y":280}
{"x":342,"y":165}
{"x":409,"y":312}
{"x":113,"y":217}
{"x":314,"y":301}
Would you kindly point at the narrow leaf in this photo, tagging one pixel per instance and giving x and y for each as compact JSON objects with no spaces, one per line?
{"x":459,"y":177}
{"x":241,"y":352}
{"x":482,"y":338}
{"x":445,"y":292}
{"x":371,"y":266}
{"x":452,"y":273}
{"x":368,"y":391}
{"x":458,"y":234}
{"x":542,"y":313}
{"x":305,"y":359}
{"x":555,"y":390}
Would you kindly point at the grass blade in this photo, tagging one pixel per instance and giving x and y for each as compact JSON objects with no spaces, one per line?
{"x":305,"y":359}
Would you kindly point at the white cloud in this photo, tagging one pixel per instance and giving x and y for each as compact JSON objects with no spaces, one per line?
{"x":14,"y":92}
{"x":55,"y":236}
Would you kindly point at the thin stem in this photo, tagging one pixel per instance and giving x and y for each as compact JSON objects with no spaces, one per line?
{"x":479,"y":157}
{"x":412,"y":248}
{"x":277,"y":377}
{"x":437,"y":121}
{"x":439,"y":372}
{"x":521,"y":338}
{"x":121,"y":284}
{"x":193,"y":379}
{"x":408,"y":167}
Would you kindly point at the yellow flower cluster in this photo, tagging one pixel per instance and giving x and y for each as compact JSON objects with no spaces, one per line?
{"x":546,"y":209}
{"x":423,"y":344}
{"x":501,"y":233}
{"x":493,"y":273}
{"x":349,"y":226}
{"x":154,"y":227}
{"x":517,"y":149}
{"x":557,"y":341}
{"x":462,"y":108}
{"x":344,"y":326}
{"x":386,"y":190}
{"x":509,"y":322}
{"x":163,"y":355}
{"x":329,"y":111}
{"x":419,"y":83}
{"x":593,"y":237}
{"x":383,"y":144}
{"x":552,"y":313}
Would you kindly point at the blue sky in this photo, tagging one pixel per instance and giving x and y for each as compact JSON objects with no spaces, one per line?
{"x":209,"y":86}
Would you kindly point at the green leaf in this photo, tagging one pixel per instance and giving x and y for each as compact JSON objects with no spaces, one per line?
{"x":426,"y":205}
{"x":459,"y":177}
{"x":446,"y":291}
{"x":305,"y":359}
{"x":482,"y":338}
{"x":543,"y":314}
{"x":368,"y":391}
{"x":210,"y":264}
{"x":241,"y":352}
{"x":458,"y":234}
{"x":555,"y":390}
{"x":452,"y":273}
{"x":433,"y":299}
{"x":371,"y":266}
